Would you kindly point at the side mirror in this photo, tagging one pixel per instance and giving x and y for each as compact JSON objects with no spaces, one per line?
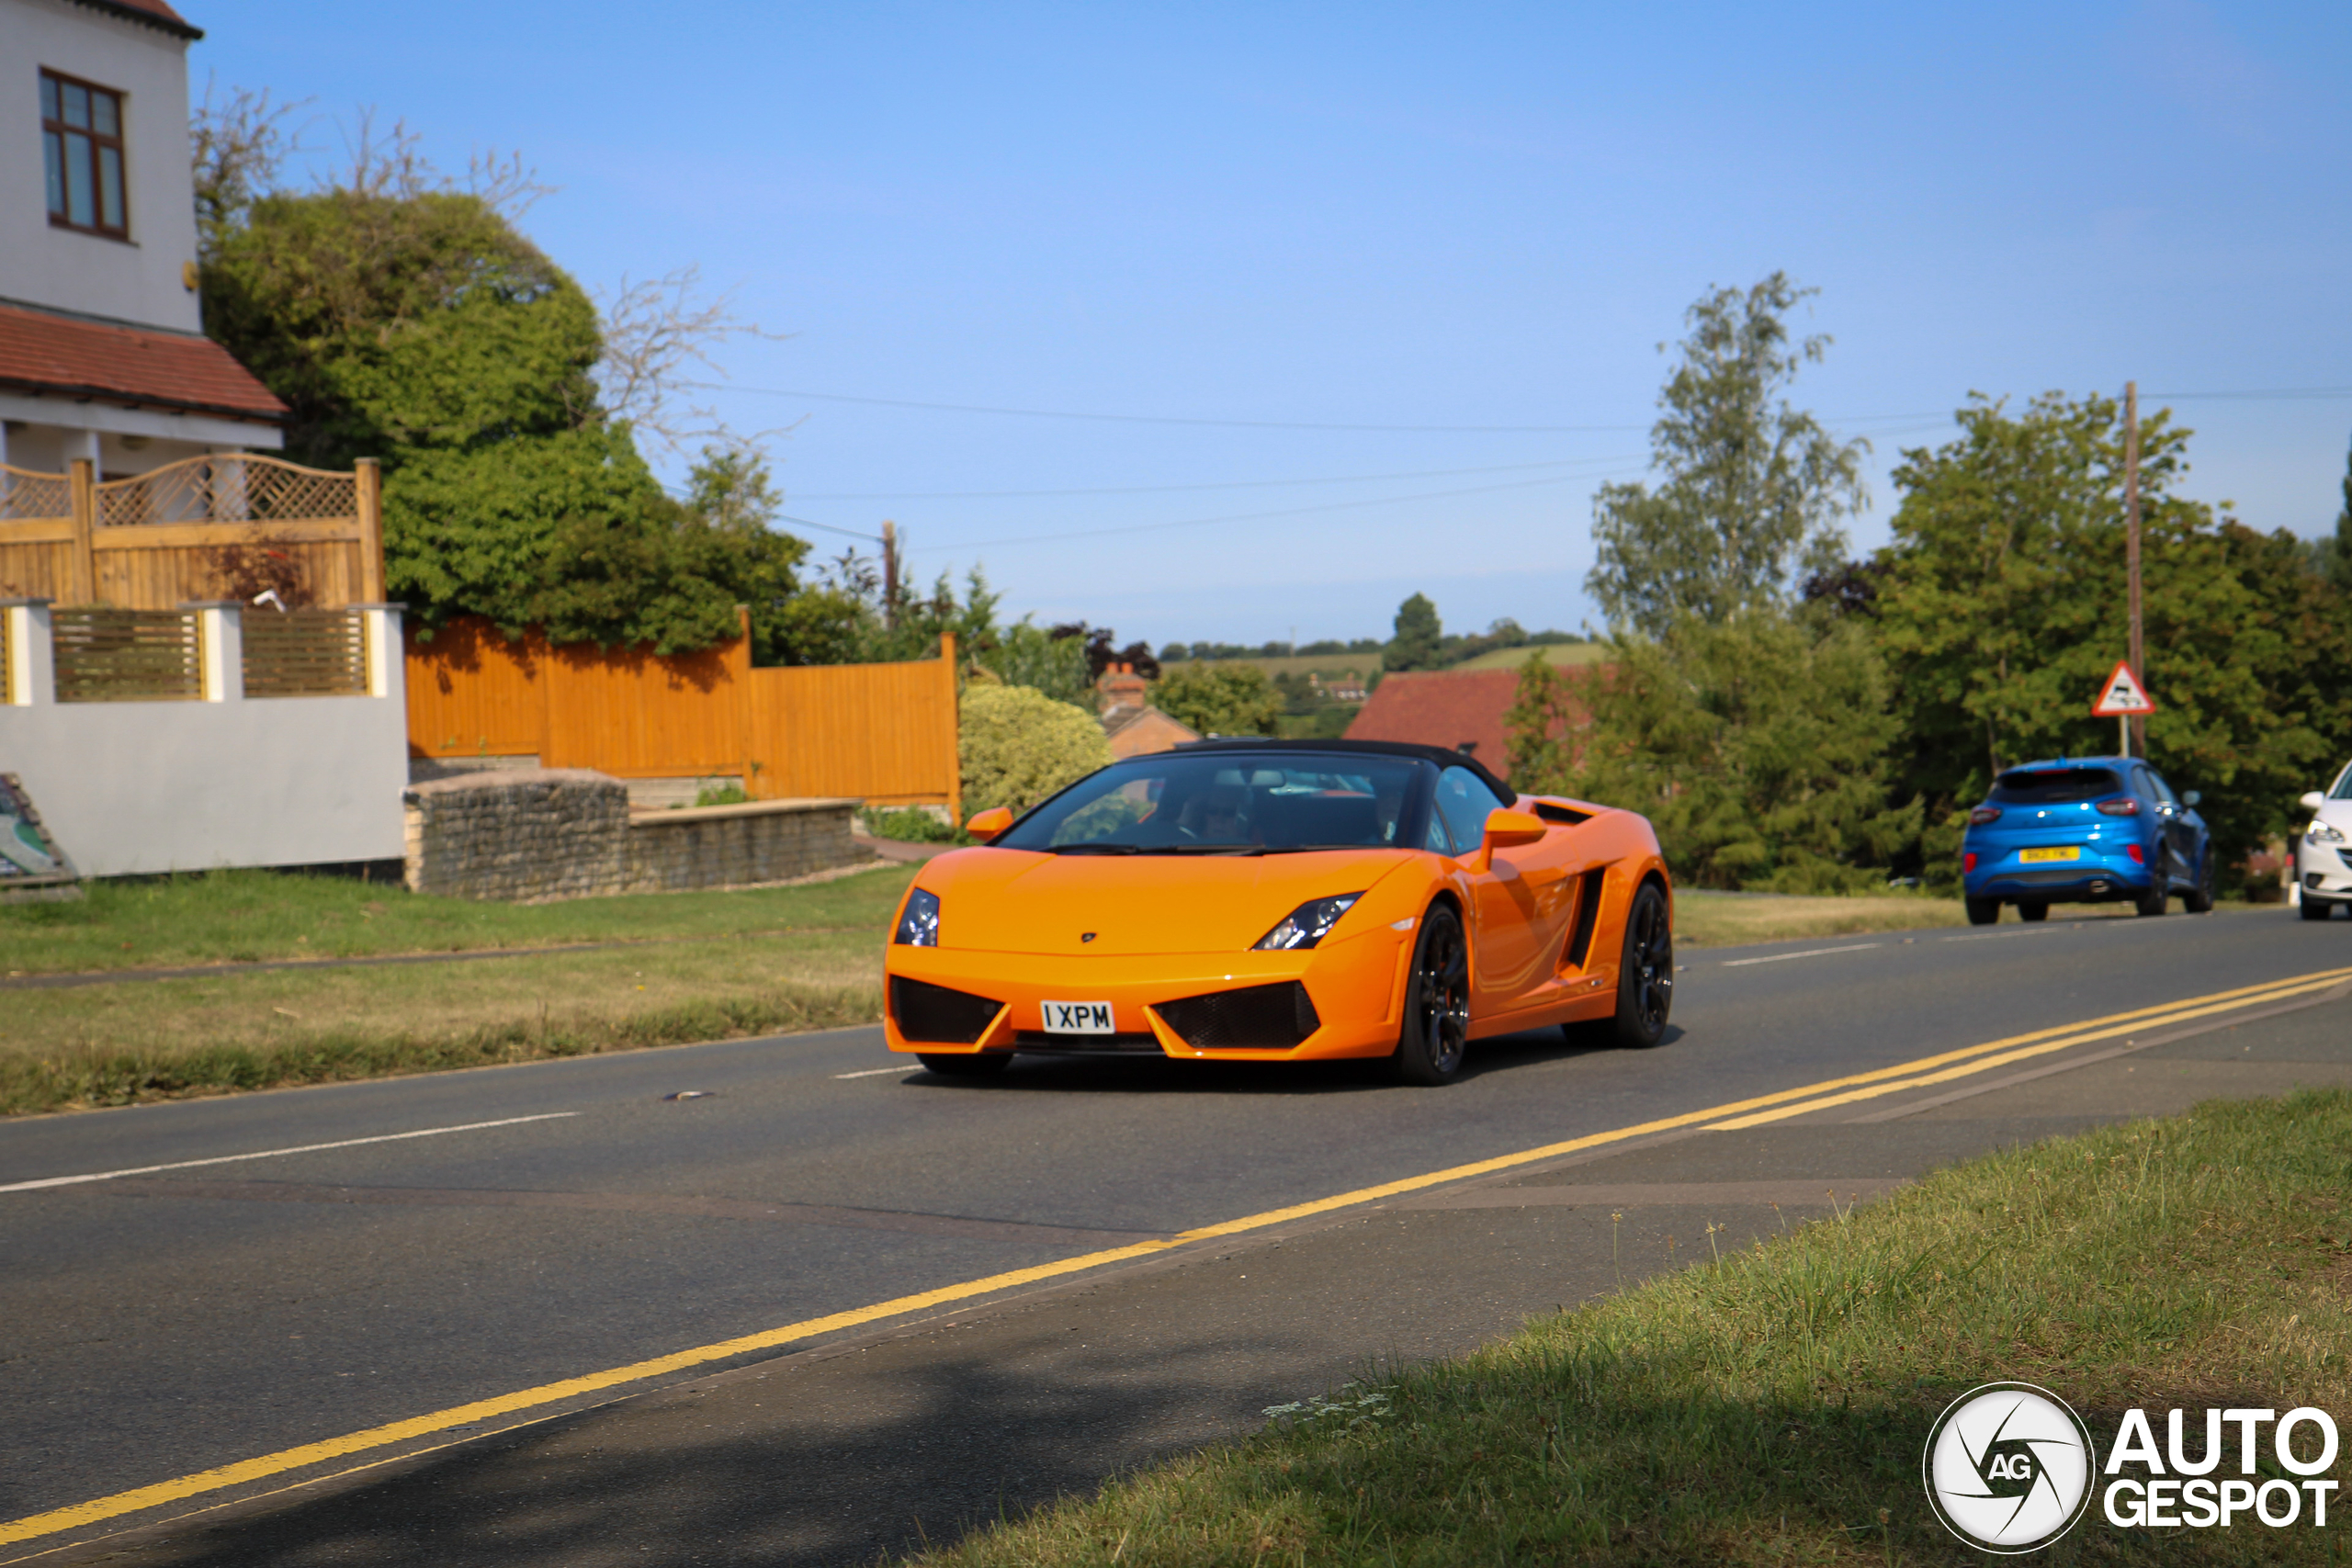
{"x":1506,"y":828}
{"x":2189,"y":797}
{"x":985,"y":826}
{"x":2312,"y":801}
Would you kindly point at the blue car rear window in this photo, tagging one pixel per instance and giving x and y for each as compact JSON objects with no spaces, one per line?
{"x":2054,"y":786}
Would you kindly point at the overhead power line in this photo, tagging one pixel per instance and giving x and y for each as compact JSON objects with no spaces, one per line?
{"x":1166,"y":490}
{"x":1253,"y":516}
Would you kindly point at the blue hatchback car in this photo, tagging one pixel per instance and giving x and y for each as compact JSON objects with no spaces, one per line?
{"x":2084,"y":831}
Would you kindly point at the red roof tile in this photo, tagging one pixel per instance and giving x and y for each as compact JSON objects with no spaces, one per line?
{"x":94,"y":361}
{"x":154,"y":12}
{"x":1444,"y":707}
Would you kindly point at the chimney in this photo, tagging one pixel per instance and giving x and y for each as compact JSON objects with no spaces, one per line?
{"x":1121,"y":687}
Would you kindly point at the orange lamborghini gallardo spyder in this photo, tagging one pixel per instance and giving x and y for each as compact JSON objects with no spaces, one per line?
{"x":1284,"y":900}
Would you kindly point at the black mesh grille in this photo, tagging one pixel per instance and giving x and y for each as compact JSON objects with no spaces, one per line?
{"x":934,"y":1013}
{"x":1279,"y":1016}
{"x":1038,"y":1040}
{"x":1568,"y":815}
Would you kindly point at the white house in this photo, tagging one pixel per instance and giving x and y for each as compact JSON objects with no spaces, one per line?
{"x":102,"y":352}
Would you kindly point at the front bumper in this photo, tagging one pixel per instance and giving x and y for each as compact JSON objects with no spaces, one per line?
{"x":2324,"y":871}
{"x":1356,"y":987}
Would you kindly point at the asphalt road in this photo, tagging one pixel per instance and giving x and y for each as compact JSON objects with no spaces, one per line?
{"x":159,"y":1324}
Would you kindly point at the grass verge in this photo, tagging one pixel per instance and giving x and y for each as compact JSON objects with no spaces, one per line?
{"x":244,"y":916}
{"x":1771,"y":1408}
{"x":119,"y":1044}
{"x":1702,"y":919}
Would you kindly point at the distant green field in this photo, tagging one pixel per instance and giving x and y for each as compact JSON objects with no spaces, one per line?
{"x":1559,"y":653}
{"x":1363,"y":664}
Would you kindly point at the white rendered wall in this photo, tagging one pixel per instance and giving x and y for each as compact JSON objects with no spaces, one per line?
{"x":138,"y":281}
{"x":128,"y":787}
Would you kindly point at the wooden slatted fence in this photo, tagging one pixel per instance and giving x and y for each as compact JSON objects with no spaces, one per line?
{"x":126,"y":656}
{"x":305,"y":653}
{"x":151,"y":541}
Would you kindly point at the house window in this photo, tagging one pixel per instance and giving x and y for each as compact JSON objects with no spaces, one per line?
{"x":80,"y":143}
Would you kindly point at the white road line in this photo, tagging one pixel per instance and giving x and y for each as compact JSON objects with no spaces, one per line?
{"x":272,"y":1154}
{"x":1808,"y":953}
{"x":878,"y":1072}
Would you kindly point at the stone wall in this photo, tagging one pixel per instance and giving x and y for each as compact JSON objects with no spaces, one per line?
{"x":568,"y":834}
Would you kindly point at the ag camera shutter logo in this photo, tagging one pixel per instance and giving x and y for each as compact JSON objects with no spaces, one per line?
{"x":2009,"y":1467}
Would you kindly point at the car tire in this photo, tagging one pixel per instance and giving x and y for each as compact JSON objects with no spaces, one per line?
{"x":1435,"y":1035}
{"x":1983,"y":911}
{"x":2199,"y":899}
{"x":2032,"y":910}
{"x":2317,"y":908}
{"x":963,"y":1064}
{"x":2152,"y":903}
{"x":1645,"y":972}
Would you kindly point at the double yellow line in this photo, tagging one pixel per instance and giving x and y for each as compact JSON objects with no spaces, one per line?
{"x":1926,"y":1071}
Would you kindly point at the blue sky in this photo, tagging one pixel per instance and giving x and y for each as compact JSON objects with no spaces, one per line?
{"x":1298,"y":215}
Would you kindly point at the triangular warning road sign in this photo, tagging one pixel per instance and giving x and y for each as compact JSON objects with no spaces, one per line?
{"x":2124,"y":697}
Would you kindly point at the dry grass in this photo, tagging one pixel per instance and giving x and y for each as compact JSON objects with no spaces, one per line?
{"x":118,"y":1043}
{"x":1770,"y":1408}
{"x":1730,"y":920}
{"x":244,"y":916}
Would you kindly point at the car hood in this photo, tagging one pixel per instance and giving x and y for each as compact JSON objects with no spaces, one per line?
{"x":1017,"y":901}
{"x":2337,"y":814}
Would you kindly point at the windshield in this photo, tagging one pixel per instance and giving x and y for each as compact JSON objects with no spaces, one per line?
{"x":2343,"y":790}
{"x":1221,"y":804}
{"x":2054,"y":786}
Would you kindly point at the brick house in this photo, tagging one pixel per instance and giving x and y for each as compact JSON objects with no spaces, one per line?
{"x":1463,"y":710}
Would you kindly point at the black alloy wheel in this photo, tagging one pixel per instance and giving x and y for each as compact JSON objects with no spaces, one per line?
{"x":1436,"y":1034}
{"x":2199,"y":900}
{"x":2033,"y":910}
{"x":957,"y":1066}
{"x":1646,"y":978}
{"x":1983,"y":911}
{"x":2317,"y":908}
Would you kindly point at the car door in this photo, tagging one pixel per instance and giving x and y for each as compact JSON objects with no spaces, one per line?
{"x":1518,"y":905}
{"x":2179,"y":839}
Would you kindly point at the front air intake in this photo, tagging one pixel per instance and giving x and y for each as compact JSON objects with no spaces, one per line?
{"x":937,"y":1016}
{"x":1267,"y":1017}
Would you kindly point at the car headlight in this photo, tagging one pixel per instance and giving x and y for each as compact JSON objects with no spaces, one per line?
{"x":919,"y":927}
{"x":1306,"y":925}
{"x":2323,"y":833}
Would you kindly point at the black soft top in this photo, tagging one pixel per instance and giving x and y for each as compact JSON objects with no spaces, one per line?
{"x":1437,"y":754}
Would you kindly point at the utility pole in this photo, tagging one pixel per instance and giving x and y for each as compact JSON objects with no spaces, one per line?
{"x":2137,"y":728}
{"x":890,"y":578}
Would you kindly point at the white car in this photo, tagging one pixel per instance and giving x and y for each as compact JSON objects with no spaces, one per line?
{"x":2323,"y":857}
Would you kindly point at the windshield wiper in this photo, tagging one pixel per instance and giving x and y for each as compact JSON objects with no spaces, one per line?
{"x":1096,"y":849}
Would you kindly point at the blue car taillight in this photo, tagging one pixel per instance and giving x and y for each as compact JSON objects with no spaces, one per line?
{"x":2127,"y":806}
{"x":1984,"y":814}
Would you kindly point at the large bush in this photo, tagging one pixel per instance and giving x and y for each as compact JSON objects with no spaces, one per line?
{"x":1223,"y":698}
{"x":1019,"y":746}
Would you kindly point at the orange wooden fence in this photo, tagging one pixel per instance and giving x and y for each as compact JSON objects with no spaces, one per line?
{"x":877,"y":732}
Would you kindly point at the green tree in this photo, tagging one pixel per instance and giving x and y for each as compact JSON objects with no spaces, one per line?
{"x":1019,"y":746}
{"x":1028,"y":655}
{"x":1757,"y":746}
{"x":2001,"y":609}
{"x":1225,"y":698}
{"x":1419,"y":635}
{"x":1749,"y":488}
{"x":2336,"y":553}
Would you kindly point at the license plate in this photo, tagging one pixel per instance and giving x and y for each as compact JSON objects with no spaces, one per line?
{"x":1076,"y":1018}
{"x":2039,"y":857}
